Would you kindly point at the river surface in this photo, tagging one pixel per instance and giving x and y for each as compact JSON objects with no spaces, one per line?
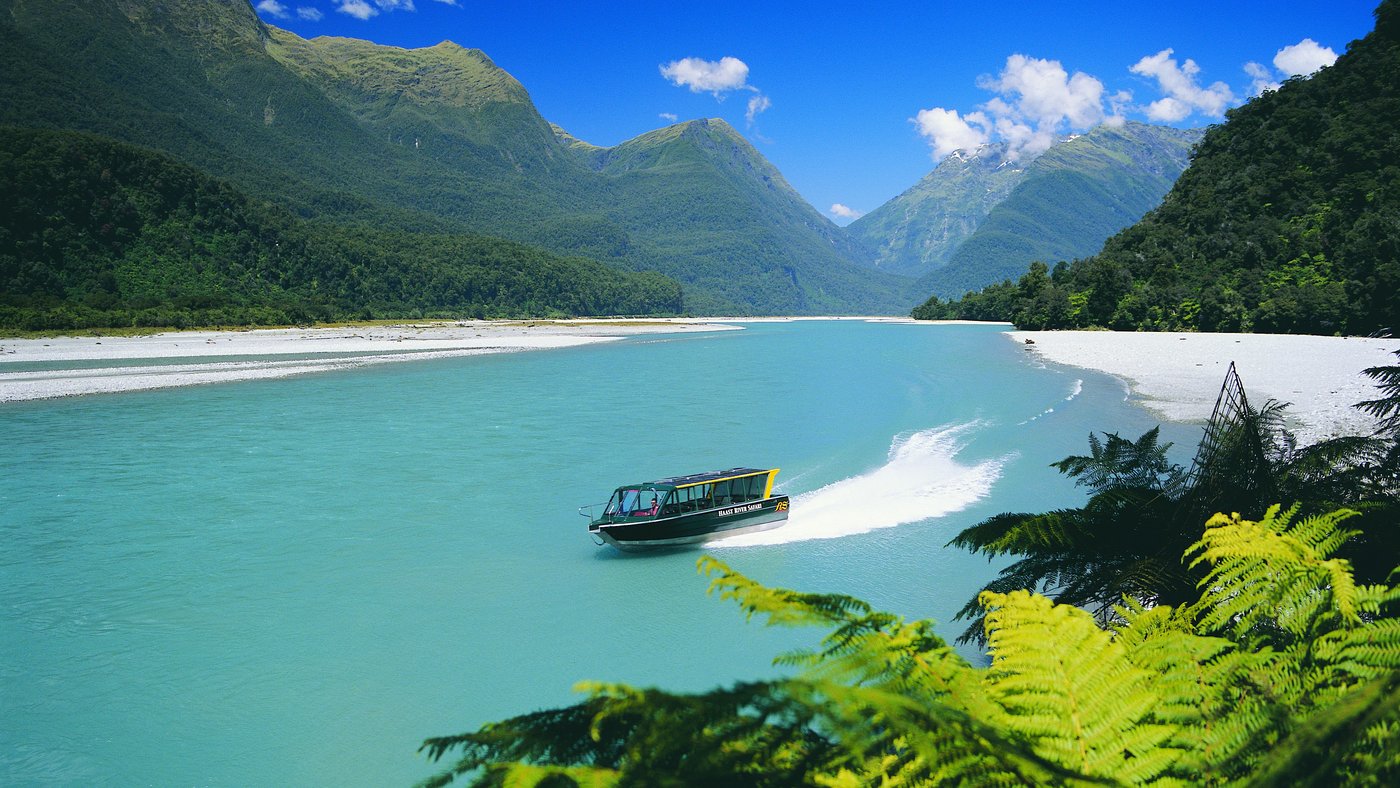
{"x":296,"y":581}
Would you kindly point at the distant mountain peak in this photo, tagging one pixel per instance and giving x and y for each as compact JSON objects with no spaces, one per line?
{"x":924,"y":229}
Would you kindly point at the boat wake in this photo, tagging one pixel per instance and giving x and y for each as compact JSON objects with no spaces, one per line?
{"x":1074,"y":391}
{"x":921,"y":480}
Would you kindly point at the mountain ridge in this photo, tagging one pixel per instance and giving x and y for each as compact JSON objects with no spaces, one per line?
{"x":353,"y":133}
{"x":980,"y":216}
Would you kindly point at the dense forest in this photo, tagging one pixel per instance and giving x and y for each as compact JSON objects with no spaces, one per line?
{"x":1287,"y":220}
{"x":97,"y":234}
{"x":1135,"y":641}
{"x":435,"y":140}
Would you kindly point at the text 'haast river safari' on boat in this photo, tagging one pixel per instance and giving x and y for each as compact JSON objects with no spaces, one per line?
{"x":683,"y":510}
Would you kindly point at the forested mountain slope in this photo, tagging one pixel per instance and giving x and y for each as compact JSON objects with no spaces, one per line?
{"x":95,"y":233}
{"x":1069,"y":200}
{"x":700,"y":189}
{"x":916,"y":232}
{"x":427,"y":140}
{"x":1287,"y":220}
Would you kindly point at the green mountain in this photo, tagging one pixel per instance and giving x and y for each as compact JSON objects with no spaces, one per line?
{"x":918,"y":231}
{"x":1287,"y":220}
{"x":96,"y":233}
{"x":769,"y":251}
{"x":427,"y":140}
{"x":1068,"y":201}
{"x":979,"y":218}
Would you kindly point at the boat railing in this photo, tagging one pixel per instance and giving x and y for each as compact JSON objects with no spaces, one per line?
{"x":588,"y":509}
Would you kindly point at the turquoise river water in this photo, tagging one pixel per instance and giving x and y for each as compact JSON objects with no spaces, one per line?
{"x":296,"y":581}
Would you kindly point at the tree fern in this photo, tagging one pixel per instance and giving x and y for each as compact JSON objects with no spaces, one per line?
{"x":1284,"y":669}
{"x":1386,"y":408}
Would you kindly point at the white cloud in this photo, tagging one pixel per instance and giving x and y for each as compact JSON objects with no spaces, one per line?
{"x":357,"y":8}
{"x":671,"y":116}
{"x":707,"y":76}
{"x":1304,"y":58}
{"x":273,"y":8}
{"x":1044,"y":93}
{"x":1168,"y":110}
{"x":718,"y":78}
{"x":842,"y":212}
{"x":946,"y":131}
{"x":310,"y":14}
{"x":1036,"y":101}
{"x":1184,"y":95}
{"x":364,"y":9}
{"x":1261,"y":76}
{"x":757,"y":104}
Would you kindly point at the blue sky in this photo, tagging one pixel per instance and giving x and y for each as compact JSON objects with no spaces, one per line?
{"x":854,"y":102}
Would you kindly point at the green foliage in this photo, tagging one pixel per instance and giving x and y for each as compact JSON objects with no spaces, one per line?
{"x":1127,"y":539}
{"x":437,"y":140}
{"x":1251,"y":681}
{"x":1286,"y":220}
{"x":1386,"y":409}
{"x":99,"y":234}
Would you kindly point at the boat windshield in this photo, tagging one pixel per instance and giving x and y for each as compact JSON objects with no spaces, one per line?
{"x":634,"y":502}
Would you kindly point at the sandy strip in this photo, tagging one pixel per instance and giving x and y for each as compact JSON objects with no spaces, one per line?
{"x":1178,"y":376}
{"x":276,"y":353}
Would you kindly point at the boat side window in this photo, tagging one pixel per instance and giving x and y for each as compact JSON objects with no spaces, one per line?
{"x":724,"y":494}
{"x":648,"y":504}
{"x":746,"y":489}
{"x":670,"y":506}
{"x":704,"y":496}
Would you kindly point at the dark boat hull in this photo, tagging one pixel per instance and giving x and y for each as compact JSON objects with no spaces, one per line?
{"x":696,"y":527}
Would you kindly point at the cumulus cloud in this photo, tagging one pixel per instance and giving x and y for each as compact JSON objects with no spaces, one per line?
{"x":757,"y":104}
{"x":946,"y":131}
{"x":1036,"y":100}
{"x":1183,"y":94}
{"x":1261,"y":78}
{"x":1304,"y":58}
{"x":274,"y":8}
{"x":670,"y":116}
{"x":364,"y":9}
{"x":357,"y":8}
{"x":1042,"y":92}
{"x":708,"y":76}
{"x":843,"y":212}
{"x":310,"y":13}
{"x":718,"y":78}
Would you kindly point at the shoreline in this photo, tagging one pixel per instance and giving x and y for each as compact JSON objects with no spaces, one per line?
{"x":66,"y":366}
{"x":1178,"y":376}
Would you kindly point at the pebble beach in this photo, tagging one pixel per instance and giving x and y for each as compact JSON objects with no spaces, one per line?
{"x":1178,"y":375}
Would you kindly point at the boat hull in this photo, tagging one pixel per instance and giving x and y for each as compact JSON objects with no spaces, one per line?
{"x":697,"y":527}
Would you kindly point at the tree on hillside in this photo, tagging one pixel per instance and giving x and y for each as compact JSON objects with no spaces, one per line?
{"x":1287,"y":220}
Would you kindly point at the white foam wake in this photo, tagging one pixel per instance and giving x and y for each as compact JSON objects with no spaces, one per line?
{"x":920,"y":480}
{"x":1074,"y":391}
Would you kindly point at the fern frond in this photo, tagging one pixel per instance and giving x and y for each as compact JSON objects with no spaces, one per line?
{"x":1321,"y":747}
{"x":780,"y":606}
{"x":1021,"y":533}
{"x":1069,"y":688}
{"x":1265,"y":574}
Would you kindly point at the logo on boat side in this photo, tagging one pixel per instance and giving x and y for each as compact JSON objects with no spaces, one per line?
{"x":782,"y":506}
{"x":753,"y":507}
